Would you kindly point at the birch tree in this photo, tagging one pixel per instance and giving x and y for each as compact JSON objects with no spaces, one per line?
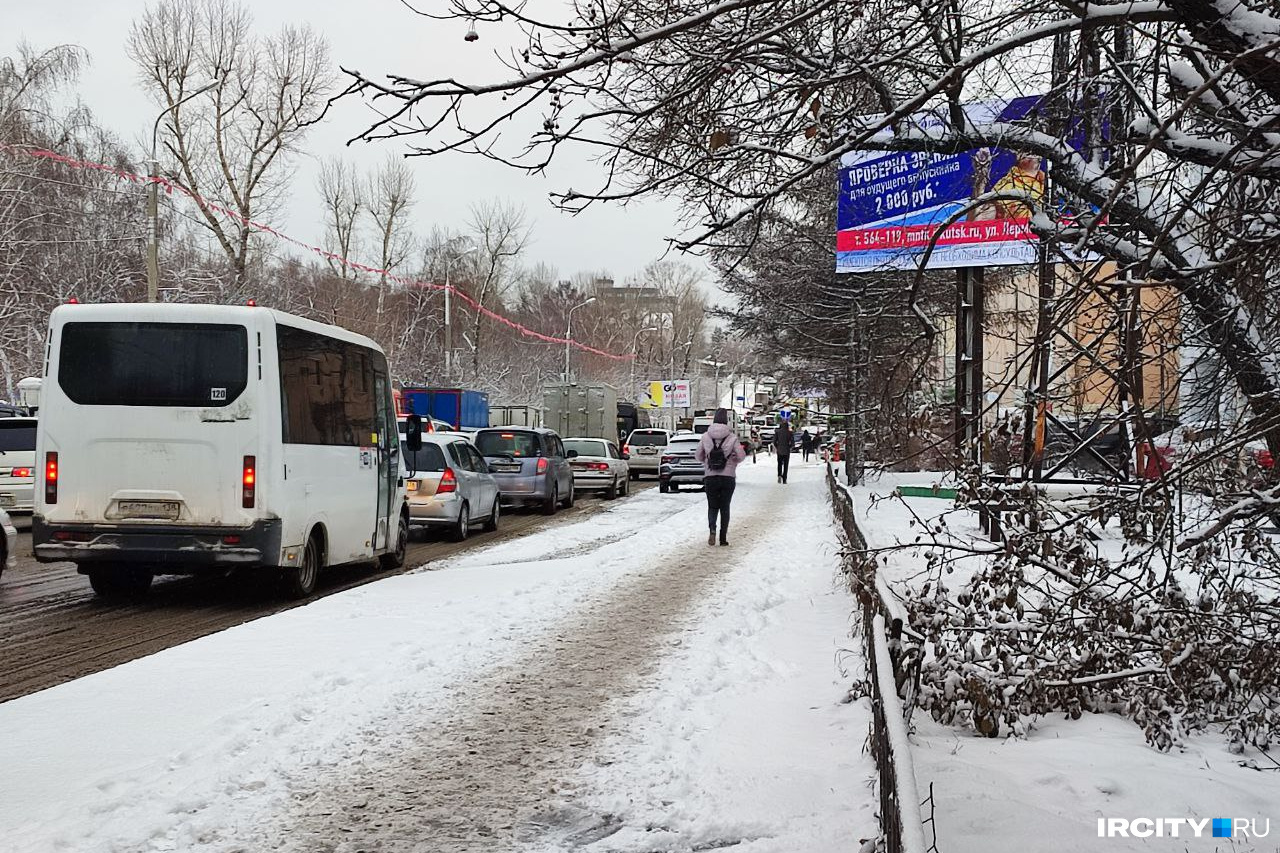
{"x":342,"y":195}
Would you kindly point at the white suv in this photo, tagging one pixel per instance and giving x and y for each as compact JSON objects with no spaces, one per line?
{"x":644,"y":448}
{"x":17,"y":464}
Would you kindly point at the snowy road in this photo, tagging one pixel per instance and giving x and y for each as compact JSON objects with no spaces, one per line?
{"x":53,"y":628}
{"x":613,"y":685}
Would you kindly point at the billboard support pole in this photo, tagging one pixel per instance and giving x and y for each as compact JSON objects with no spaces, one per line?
{"x":969,"y":360}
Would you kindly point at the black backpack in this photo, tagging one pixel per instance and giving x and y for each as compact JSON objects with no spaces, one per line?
{"x":716,"y":460}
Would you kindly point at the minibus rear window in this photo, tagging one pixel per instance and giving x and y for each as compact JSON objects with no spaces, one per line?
{"x":153,"y":364}
{"x":19,"y":435}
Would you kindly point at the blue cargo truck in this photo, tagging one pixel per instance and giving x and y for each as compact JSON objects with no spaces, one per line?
{"x":462,"y":409}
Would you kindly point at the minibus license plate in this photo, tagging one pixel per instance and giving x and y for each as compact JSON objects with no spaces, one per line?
{"x":167,"y":510}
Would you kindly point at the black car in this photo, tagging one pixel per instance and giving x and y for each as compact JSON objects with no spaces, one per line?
{"x":679,"y":467}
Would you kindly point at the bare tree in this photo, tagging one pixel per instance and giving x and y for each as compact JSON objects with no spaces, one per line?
{"x":731,"y":105}
{"x":343,"y":196}
{"x":390,"y":198}
{"x":500,"y":234}
{"x":231,"y":146}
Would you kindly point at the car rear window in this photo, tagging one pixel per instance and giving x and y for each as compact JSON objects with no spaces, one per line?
{"x":430,"y":458}
{"x":647,"y":439}
{"x":17,"y":436}
{"x":517,"y":444}
{"x":587,"y":448}
{"x":684,"y":444}
{"x":153,"y":364}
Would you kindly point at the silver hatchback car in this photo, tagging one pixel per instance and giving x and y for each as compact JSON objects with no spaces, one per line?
{"x":531,"y":466}
{"x":448,"y":486}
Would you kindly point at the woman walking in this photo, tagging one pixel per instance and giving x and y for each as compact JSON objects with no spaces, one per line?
{"x":719,"y":452}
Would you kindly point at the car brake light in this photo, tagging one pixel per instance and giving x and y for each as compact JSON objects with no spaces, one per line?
{"x":626,"y":448}
{"x":668,"y":459}
{"x":598,"y":466}
{"x":506,"y":435}
{"x":21,"y":472}
{"x":249,"y":478}
{"x":448,"y":482}
{"x":51,"y":477}
{"x":542,"y":465}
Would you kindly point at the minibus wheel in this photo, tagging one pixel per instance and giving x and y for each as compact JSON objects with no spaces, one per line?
{"x":113,"y":580}
{"x":300,"y":582}
{"x":395,"y":560}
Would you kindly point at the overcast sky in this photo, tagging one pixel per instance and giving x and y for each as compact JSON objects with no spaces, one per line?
{"x":375,"y":37}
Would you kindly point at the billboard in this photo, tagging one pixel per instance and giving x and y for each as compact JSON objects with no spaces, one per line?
{"x":665,"y":394}
{"x":891,"y":204}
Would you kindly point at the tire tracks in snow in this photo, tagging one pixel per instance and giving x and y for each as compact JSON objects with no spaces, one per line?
{"x":489,"y":776}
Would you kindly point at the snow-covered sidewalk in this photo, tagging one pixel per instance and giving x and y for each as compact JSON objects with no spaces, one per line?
{"x":613,"y":684}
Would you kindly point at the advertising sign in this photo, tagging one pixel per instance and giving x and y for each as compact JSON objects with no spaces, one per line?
{"x":666,"y":394}
{"x":891,"y":204}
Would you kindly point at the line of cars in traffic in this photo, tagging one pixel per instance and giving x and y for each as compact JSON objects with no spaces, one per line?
{"x":456,"y":481}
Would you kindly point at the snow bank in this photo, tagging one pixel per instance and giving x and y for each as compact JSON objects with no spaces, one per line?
{"x":1045,"y":792}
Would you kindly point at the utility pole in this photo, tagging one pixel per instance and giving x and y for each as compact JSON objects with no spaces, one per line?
{"x":448,"y":308}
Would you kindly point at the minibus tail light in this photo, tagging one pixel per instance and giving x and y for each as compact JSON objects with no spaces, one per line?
{"x":249,"y":478}
{"x":51,"y":477}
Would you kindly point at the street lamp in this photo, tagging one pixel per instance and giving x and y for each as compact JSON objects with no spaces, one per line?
{"x":568,"y":334}
{"x":448,"y":302}
{"x":715,"y":389}
{"x":153,"y":197}
{"x":635,"y":354}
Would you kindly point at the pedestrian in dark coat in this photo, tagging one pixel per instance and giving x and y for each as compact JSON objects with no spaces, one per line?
{"x":806,"y":444}
{"x":719,"y":483}
{"x":782,"y":441}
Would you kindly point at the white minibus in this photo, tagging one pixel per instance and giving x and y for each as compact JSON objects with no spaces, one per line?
{"x":180,"y":439}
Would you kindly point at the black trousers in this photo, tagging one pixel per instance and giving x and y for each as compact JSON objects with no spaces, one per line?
{"x":784,"y":462}
{"x":719,"y":491}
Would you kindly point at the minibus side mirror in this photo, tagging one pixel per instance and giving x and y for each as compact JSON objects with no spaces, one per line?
{"x":413,"y":433}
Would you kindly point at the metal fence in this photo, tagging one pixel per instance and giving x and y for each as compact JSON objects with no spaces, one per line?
{"x":893,"y":670}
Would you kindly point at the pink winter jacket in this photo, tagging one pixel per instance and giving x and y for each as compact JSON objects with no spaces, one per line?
{"x":732,"y":447}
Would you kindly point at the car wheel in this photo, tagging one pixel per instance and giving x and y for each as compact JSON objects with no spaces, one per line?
{"x":662,"y":487}
{"x":552,"y":503}
{"x":611,"y":492}
{"x":119,"y":582}
{"x":395,"y":560}
{"x":626,"y":486}
{"x":300,"y":582}
{"x":568,"y":503}
{"x":491,"y":524}
{"x":633,"y":475}
{"x":463,"y":528}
